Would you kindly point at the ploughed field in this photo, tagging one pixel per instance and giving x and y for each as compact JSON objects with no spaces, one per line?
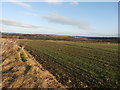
{"x":77,"y":64}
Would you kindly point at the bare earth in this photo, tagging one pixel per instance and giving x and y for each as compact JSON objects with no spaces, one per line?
{"x":17,"y":73}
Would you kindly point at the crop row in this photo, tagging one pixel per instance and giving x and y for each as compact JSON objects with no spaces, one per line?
{"x":95,"y":65}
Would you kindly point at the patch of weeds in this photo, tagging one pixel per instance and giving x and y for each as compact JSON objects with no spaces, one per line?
{"x":23,"y":57}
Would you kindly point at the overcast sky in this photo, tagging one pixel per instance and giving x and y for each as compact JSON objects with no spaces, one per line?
{"x":61,"y":18}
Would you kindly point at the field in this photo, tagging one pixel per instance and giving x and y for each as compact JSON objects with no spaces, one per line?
{"x":77,"y":64}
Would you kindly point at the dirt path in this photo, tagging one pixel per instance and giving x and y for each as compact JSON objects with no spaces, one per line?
{"x":21,"y":70}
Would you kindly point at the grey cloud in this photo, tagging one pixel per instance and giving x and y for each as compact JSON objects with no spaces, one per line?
{"x":17,"y":24}
{"x":67,"y":21}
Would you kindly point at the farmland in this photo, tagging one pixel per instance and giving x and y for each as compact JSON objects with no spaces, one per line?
{"x":77,"y":64}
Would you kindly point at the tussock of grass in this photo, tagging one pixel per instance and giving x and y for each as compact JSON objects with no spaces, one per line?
{"x":23,"y":57}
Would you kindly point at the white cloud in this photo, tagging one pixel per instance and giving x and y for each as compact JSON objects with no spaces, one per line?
{"x":31,"y":0}
{"x":31,"y":14}
{"x":64,"y":0}
{"x":10,"y":22}
{"x":53,"y":1}
{"x":74,"y":3}
{"x":67,"y":21}
{"x":23,"y":4}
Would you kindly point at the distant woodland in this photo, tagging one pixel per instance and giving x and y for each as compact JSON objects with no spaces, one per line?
{"x":60,"y":37}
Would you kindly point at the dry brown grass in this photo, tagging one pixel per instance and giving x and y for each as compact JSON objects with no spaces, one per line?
{"x":19,"y":74}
